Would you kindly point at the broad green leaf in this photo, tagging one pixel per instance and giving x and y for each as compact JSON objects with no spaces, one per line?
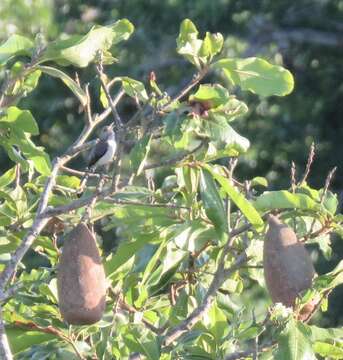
{"x":15,"y":45}
{"x":42,"y":163}
{"x":212,"y":202}
{"x":19,"y":120}
{"x":147,"y":345}
{"x":325,"y":334}
{"x":283,"y":199}
{"x":328,"y":350}
{"x":239,"y":199}
{"x":124,"y":252}
{"x":224,"y":140}
{"x":7,"y":178}
{"x":259,"y":180}
{"x":134,"y":88}
{"x":216,"y":322}
{"x":294,"y":343}
{"x":188,"y":43}
{"x":72,"y":85}
{"x":194,"y":235}
{"x":257,"y":76}
{"x":330,"y":280}
{"x":25,"y":81}
{"x":211,"y":45}
{"x":19,"y":196}
{"x":212,"y":95}
{"x":81,"y":50}
{"x":153,"y":261}
{"x":22,"y":339}
{"x":139,"y":154}
{"x":330,"y":201}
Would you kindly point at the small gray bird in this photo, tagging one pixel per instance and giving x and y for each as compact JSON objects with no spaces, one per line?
{"x":101,"y":154}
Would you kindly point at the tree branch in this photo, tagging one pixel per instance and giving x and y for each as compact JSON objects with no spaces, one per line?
{"x":5,"y":351}
{"x":219,"y":277}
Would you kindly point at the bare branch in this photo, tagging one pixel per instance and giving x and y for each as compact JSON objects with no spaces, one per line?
{"x":175,"y":160}
{"x":5,"y":351}
{"x":117,"y":119}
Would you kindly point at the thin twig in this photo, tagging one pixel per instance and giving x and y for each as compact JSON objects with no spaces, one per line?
{"x":310,"y":158}
{"x":175,"y":160}
{"x":116,"y":117}
{"x":196,"y":79}
{"x":293,"y":177}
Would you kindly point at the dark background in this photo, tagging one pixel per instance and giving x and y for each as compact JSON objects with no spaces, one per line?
{"x":304,"y":36}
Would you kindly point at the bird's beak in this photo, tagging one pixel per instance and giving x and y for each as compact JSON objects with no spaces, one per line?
{"x":111,"y":126}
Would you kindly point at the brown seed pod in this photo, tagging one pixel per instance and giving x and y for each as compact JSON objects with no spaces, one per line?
{"x":81,"y":281}
{"x":288,"y":268}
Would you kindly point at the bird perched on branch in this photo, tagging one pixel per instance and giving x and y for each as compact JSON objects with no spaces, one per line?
{"x":101,"y":154}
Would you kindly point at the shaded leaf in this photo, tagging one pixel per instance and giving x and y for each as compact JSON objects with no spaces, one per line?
{"x":212,"y":202}
{"x":72,"y":85}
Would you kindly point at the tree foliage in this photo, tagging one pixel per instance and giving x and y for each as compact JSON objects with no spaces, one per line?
{"x":185,"y":277}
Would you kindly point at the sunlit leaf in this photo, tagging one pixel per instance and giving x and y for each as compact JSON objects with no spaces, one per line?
{"x":257,"y":76}
{"x":15,"y":45}
{"x":239,"y":199}
{"x":81,"y":50}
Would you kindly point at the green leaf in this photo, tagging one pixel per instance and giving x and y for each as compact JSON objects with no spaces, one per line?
{"x":212,"y":44}
{"x":22,"y":120}
{"x":15,"y":45}
{"x":21,"y":339}
{"x":124,"y":252}
{"x":259,"y":180}
{"x":72,"y":85}
{"x":216,"y":322}
{"x":42,"y":163}
{"x":322,"y":334}
{"x":188,"y":43}
{"x":214,"y":95}
{"x":328,"y":350}
{"x":81,"y":50}
{"x":294,"y":343}
{"x":25,"y":81}
{"x":283,"y":199}
{"x":212,"y":202}
{"x":7,"y":178}
{"x":18,"y":195}
{"x":139,"y":154}
{"x":194,"y":236}
{"x":134,"y":88}
{"x":257,"y":76}
{"x":238,"y":198}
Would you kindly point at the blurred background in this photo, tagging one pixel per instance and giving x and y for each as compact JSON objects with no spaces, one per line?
{"x":305,"y":36}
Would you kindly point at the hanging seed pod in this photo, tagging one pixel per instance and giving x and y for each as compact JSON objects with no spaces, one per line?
{"x":81,"y":281}
{"x":288,"y":268}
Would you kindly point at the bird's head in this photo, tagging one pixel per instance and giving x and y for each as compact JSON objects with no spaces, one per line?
{"x":107,"y":132}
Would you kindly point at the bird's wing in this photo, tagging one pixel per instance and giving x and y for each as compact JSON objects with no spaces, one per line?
{"x":97,"y":153}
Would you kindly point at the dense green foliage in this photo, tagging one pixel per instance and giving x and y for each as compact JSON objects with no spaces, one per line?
{"x":170,"y":235}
